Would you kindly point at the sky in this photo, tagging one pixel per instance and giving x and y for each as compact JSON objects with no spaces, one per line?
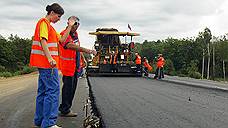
{"x":153,"y":19}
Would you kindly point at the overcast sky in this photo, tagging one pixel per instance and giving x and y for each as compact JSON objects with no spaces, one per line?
{"x":153,"y":19}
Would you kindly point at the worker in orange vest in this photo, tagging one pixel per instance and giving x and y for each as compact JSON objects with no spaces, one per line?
{"x":68,"y":63}
{"x":160,"y":67}
{"x":113,"y":61}
{"x":138,"y":63}
{"x":45,"y":56}
{"x":83,"y":65}
{"x":147,"y":66}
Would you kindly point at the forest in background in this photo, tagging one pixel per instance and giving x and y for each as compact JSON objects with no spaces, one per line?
{"x":203,"y":56}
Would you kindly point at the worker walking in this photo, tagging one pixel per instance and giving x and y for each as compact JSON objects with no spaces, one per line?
{"x":160,"y":67}
{"x":68,"y":51}
{"x":45,"y":56}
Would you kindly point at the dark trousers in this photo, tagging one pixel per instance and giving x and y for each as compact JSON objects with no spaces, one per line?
{"x":68,"y":91}
{"x":146,"y":71}
{"x":114,"y":67}
{"x":138,"y":69}
{"x":159,"y":73}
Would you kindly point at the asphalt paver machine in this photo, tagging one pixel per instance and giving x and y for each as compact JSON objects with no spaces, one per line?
{"x":115,"y":56}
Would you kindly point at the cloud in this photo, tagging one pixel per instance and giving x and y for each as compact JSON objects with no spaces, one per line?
{"x":153,"y":19}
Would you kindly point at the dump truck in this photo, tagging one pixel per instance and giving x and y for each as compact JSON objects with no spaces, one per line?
{"x":115,"y":57}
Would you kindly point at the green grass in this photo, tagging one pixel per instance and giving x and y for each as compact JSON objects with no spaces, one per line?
{"x":25,"y":70}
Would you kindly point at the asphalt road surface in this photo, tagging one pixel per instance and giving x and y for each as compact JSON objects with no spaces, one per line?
{"x":147,"y":103}
{"x":17,"y":103}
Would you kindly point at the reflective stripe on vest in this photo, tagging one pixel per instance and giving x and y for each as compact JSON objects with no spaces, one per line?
{"x":41,"y":52}
{"x":66,"y":58}
{"x":53,"y":44}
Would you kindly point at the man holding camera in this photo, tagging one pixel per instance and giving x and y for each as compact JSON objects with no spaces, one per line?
{"x":68,"y":57}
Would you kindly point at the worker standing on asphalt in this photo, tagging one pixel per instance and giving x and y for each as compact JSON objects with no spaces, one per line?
{"x":45,"y":56}
{"x":160,"y":67}
{"x":138,"y":63}
{"x":68,"y":63}
{"x":113,"y":60}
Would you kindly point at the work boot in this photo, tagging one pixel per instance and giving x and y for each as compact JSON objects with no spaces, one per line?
{"x":54,"y":126}
{"x":70,"y":114}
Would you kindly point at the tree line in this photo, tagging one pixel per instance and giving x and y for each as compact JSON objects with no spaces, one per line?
{"x":204,"y":56}
{"x":14,"y":56}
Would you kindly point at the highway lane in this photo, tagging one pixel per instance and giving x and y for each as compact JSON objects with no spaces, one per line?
{"x":128,"y":102}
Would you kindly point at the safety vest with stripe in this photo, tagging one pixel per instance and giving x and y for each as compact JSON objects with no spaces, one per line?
{"x":161,"y":62}
{"x":37,"y":57}
{"x":68,"y":57}
{"x":138,"y":59}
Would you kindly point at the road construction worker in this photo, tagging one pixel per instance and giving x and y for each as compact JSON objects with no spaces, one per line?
{"x":113,"y":61}
{"x":146,"y":66}
{"x":83,"y":64}
{"x":68,"y":63}
{"x":45,"y":56}
{"x":160,"y":65}
{"x":138,"y":63}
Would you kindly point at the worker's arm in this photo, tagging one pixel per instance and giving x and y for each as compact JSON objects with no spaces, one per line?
{"x":66,"y":34}
{"x":47,"y":53}
{"x":80,"y":49}
{"x":83,"y":57}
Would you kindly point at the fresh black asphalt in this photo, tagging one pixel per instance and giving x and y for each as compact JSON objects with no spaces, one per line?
{"x":131,"y":102}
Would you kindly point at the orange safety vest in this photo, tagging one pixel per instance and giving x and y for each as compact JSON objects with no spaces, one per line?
{"x":147,"y":65}
{"x":37,"y":57}
{"x":114,"y":60}
{"x":138,"y":59}
{"x":161,"y":62}
{"x":67,"y":58}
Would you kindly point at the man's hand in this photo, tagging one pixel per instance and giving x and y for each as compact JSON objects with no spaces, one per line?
{"x":71,"y":21}
{"x":52,"y":62}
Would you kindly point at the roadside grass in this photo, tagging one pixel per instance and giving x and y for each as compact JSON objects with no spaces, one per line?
{"x":25,"y":70}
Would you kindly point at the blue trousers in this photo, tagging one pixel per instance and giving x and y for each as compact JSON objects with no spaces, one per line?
{"x":47,"y":99}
